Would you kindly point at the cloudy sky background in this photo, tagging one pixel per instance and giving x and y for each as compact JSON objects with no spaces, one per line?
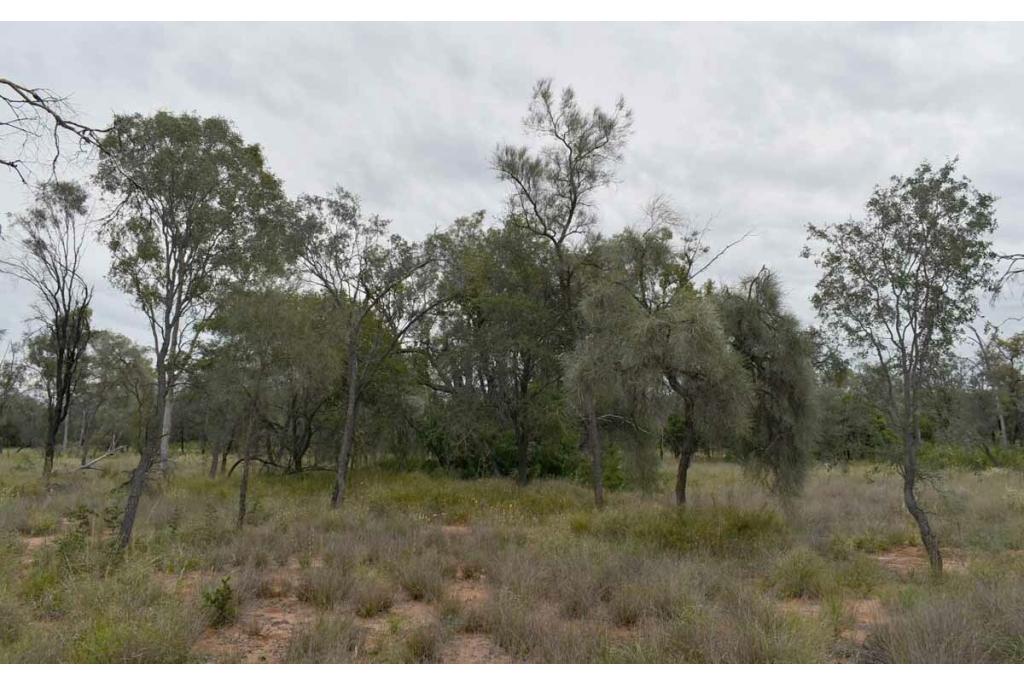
{"x":753,"y":127}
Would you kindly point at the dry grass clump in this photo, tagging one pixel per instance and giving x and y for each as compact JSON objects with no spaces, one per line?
{"x":977,"y":620}
{"x":331,"y":639}
{"x":371,"y":594}
{"x":421,"y":575}
{"x":325,"y":586}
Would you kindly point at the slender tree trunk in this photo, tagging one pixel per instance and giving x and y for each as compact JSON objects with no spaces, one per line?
{"x":686,"y":450}
{"x":81,"y":437}
{"x":594,"y":444}
{"x":224,"y":457}
{"x":64,"y":442}
{"x":48,"y":453}
{"x":243,"y":488}
{"x":928,"y":538}
{"x":214,"y":459}
{"x":348,"y":436}
{"x":522,"y":454}
{"x":1003,"y":441}
{"x":150,"y":450}
{"x":165,"y":431}
{"x":682,"y":471}
{"x":50,"y":447}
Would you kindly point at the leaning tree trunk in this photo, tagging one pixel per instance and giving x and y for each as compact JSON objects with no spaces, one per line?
{"x":594,"y":445}
{"x":682,"y":471}
{"x":928,"y":538}
{"x":150,"y":450}
{"x":348,"y":436}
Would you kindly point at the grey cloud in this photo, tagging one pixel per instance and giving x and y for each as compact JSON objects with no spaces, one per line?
{"x":758,"y":127}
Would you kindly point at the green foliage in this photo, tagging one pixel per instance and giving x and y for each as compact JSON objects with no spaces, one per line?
{"x":777,"y":354}
{"x":220,"y":604}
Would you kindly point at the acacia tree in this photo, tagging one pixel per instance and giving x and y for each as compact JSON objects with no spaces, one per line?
{"x":777,"y":354}
{"x":900,"y":285}
{"x":47,"y":254}
{"x":196,"y":210}
{"x":374,"y":280}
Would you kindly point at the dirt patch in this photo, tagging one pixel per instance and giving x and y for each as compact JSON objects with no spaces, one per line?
{"x":472,"y":592}
{"x":34,"y":543}
{"x":806,"y":608}
{"x":260,"y":635}
{"x":862,"y":614}
{"x":907,"y":560}
{"x":866,"y":614}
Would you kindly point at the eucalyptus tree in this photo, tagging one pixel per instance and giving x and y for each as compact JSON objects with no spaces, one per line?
{"x":900,"y":285}
{"x":196,"y":209}
{"x":776,"y":352}
{"x":374,"y":279}
{"x":47,"y":254}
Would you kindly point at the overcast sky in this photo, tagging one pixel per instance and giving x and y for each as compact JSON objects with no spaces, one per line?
{"x":755,"y":127}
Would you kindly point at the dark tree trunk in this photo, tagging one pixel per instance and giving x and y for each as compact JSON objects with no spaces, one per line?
{"x":82,"y":433}
{"x":522,"y":455}
{"x":686,"y":450}
{"x":594,"y":444}
{"x":48,"y":453}
{"x":348,"y":436}
{"x":928,"y":538}
{"x":682,"y":471}
{"x":50,"y":447}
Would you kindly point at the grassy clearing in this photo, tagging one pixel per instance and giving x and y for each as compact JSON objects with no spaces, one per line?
{"x":415,"y":565}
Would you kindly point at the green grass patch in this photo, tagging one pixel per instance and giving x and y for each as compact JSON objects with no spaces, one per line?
{"x":717,"y":530}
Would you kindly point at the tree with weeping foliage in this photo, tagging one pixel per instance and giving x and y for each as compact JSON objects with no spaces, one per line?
{"x":900,"y":285}
{"x":650,"y":336}
{"x":777,"y":354}
{"x":47,"y":255}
